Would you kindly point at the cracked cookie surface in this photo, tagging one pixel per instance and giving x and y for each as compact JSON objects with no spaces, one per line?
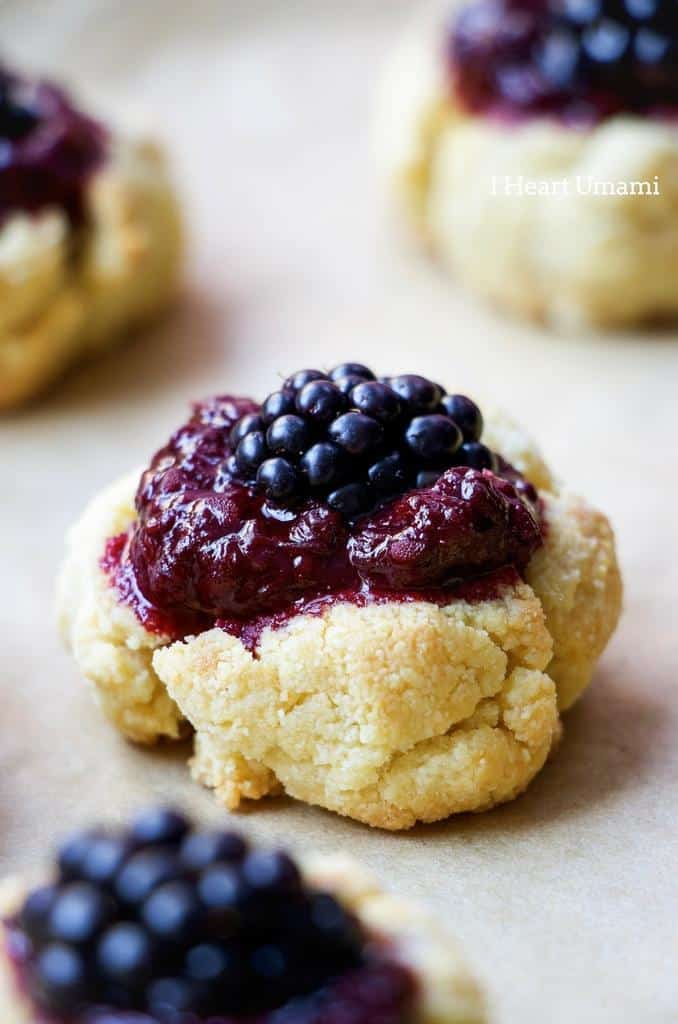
{"x":390,"y":713}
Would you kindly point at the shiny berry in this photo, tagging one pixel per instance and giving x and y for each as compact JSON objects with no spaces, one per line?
{"x":222,"y":889}
{"x":376,"y":400}
{"x":477,"y":456}
{"x":200,"y":849}
{"x":465,"y":414}
{"x":323,"y":464}
{"x":289,"y":435}
{"x":351,"y":370}
{"x":251,"y":452}
{"x":278,"y":479}
{"x":214,"y":963}
{"x":278,"y":404}
{"x":172,"y":912}
{"x":302,"y":377}
{"x":271,"y":870}
{"x":351,"y":500}
{"x":80,"y":912}
{"x":246,"y":425}
{"x":61,"y":978}
{"x":144,"y":871}
{"x":346,"y":384}
{"x":73,"y":852}
{"x":35,"y":913}
{"x":433,"y":437}
{"x":159,"y":826}
{"x":104,"y":858}
{"x":321,"y":401}
{"x":606,"y":42}
{"x":168,"y":997}
{"x":420,"y":394}
{"x":428,"y":477}
{"x":356,"y":433}
{"x":125,"y":955}
{"x":388,"y":475}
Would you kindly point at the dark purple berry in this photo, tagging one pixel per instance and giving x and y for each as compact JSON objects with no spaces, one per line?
{"x":420,"y":394}
{"x":271,"y":870}
{"x":280,"y":403}
{"x":351,"y":500}
{"x":289,"y":435}
{"x":606,"y":41}
{"x":222,"y":889}
{"x":201,"y":849}
{"x":251,"y":452}
{"x":79,"y":913}
{"x":346,"y":384}
{"x":321,"y":401}
{"x":388,"y":475}
{"x":433,"y":438}
{"x":35,"y":913}
{"x":104,"y":858}
{"x":323,"y":464}
{"x":125,"y":955}
{"x":376,"y":400}
{"x":173,"y":912}
{"x":356,"y":433}
{"x":168,"y":997}
{"x":477,"y":456}
{"x":302,"y":377}
{"x":159,"y":826}
{"x":73,"y":852}
{"x":428,"y":477}
{"x":465,"y":414}
{"x":351,"y":370}
{"x":60,"y":978}
{"x":269,"y":963}
{"x":144,"y":871}
{"x":246,"y":425}
{"x":278,"y":479}
{"x":217,"y":964}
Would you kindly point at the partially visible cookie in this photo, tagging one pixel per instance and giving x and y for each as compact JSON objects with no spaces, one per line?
{"x":556,"y":198}
{"x":328,"y":655}
{"x":119,"y":894}
{"x":90,"y":236}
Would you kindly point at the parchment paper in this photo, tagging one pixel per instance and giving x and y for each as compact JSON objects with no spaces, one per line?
{"x":565,"y":900}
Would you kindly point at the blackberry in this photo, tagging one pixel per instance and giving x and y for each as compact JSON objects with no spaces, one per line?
{"x":567,"y":56}
{"x":191,"y":923}
{"x":351,"y":439}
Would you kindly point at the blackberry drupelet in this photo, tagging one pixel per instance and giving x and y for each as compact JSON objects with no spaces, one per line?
{"x":196,"y":922}
{"x":353,"y":440}
{"x":583,"y":59}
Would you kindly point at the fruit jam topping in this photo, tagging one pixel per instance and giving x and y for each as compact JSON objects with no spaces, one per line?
{"x":164,"y":923}
{"x":404,"y":501}
{"x":48,"y":149}
{"x":580,"y":60}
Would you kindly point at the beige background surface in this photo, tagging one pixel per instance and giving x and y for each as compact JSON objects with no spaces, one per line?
{"x":566,"y":900}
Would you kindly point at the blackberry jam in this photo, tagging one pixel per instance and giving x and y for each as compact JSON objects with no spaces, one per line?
{"x":161,"y":923}
{"x":48,"y":148}
{"x":579,"y":60}
{"x":336,"y":487}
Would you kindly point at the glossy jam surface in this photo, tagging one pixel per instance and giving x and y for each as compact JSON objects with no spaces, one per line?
{"x":208,"y":548}
{"x":577,"y":60}
{"x":381,"y":992}
{"x":48,"y":148}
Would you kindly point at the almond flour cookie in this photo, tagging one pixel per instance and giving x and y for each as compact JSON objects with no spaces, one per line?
{"x":526,"y":144}
{"x":255,"y":937}
{"x":346,"y":595}
{"x":90,"y":239}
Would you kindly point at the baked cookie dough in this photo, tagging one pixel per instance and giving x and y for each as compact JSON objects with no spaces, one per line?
{"x":391,"y":711}
{"x":84,"y":262}
{"x":384,"y":949}
{"x":572,"y":254}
